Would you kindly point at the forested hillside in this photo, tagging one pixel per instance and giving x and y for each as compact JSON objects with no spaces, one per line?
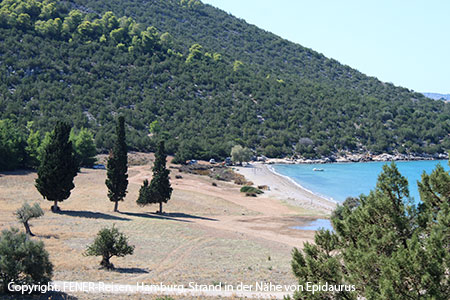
{"x":191,"y":21}
{"x":206,"y":90}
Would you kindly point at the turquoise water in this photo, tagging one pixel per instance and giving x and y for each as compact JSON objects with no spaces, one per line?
{"x":341,"y":180}
{"x":315,"y":225}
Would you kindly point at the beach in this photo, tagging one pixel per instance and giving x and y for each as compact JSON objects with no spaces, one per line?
{"x":284,"y":189}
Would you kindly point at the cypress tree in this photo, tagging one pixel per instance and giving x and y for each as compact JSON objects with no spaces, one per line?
{"x":159,"y":190}
{"x":117,"y":166}
{"x":58,"y":166}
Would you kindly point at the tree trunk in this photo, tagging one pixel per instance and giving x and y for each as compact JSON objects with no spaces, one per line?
{"x":160,"y":208}
{"x":55,"y":207}
{"x":116,"y":206}
{"x":105,"y":263}
{"x":27,"y":228}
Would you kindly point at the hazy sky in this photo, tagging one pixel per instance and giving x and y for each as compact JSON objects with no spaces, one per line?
{"x":406,"y":42}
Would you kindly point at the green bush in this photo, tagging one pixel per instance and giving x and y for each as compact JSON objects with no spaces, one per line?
{"x":250,"y":190}
{"x":22,"y":260}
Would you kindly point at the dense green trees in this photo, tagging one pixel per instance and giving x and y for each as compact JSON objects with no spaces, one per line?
{"x":23,"y":147}
{"x":11,"y":146}
{"x":58,"y":166}
{"x":32,"y":147}
{"x":84,"y":146}
{"x":23,"y":260}
{"x":108,"y":243}
{"x":117,"y":166}
{"x":383,"y":245}
{"x":159,"y":190}
{"x":102,"y":65}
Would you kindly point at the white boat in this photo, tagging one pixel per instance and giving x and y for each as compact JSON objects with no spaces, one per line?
{"x":318,"y":170}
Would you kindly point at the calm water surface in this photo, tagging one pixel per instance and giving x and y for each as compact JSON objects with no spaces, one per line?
{"x":341,"y":180}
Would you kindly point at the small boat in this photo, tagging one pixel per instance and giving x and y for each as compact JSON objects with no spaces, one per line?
{"x":318,"y":170}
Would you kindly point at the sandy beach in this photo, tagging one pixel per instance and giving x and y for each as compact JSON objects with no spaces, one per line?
{"x":284,"y":189}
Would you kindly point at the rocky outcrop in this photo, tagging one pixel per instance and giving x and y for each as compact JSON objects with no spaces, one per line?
{"x":349,"y":157}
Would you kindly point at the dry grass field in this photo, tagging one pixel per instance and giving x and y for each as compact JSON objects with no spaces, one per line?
{"x":208,"y":234}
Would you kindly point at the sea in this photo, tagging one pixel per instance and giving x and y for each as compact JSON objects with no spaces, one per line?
{"x":338,"y":181}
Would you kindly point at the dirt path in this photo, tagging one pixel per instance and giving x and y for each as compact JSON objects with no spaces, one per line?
{"x":272,"y":221}
{"x":178,"y":255}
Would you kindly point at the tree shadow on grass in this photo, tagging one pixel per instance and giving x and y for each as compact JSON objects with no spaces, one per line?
{"x":186,"y":216}
{"x":152,"y":216}
{"x":130,"y":270}
{"x":47,"y":236}
{"x":179,"y":217}
{"x":91,"y":215}
{"x":16,"y":172}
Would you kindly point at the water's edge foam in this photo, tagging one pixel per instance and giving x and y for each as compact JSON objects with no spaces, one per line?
{"x":271,"y":169}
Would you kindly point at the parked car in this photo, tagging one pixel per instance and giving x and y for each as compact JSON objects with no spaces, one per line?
{"x":100,"y":167}
{"x":212,"y":161}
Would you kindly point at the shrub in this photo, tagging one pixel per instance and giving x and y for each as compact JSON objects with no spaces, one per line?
{"x":108,"y":243}
{"x":22,"y":260}
{"x":250,"y":190}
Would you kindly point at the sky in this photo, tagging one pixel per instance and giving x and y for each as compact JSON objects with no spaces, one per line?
{"x":405,"y":42}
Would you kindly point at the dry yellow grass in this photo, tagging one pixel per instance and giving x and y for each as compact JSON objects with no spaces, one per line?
{"x":186,"y":244}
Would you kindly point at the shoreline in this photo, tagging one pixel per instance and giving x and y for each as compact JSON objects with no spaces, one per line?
{"x":271,"y":169}
{"x":285,"y":189}
{"x":356,"y":158}
{"x":283,"y":161}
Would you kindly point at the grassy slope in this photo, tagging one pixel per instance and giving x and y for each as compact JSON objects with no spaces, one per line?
{"x":174,"y":248}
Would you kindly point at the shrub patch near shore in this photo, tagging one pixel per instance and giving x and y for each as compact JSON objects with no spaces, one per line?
{"x":251,"y":191}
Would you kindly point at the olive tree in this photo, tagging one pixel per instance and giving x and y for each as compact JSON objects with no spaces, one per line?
{"x":27,"y":212}
{"x":108,"y":243}
{"x":240,"y":154}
